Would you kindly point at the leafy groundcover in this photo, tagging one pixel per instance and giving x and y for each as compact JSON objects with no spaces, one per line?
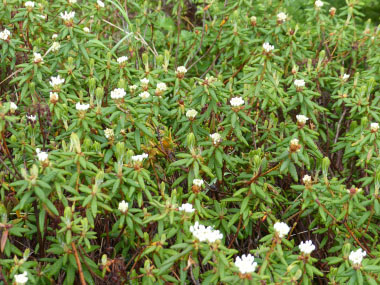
{"x":189,"y":142}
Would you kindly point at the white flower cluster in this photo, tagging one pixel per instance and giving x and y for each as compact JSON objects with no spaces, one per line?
{"x":188,"y":208}
{"x":54,"y":96}
{"x":356,"y":257}
{"x":82,"y":107}
{"x":236,"y":101}
{"x":306,"y":247}
{"x":5,"y":35}
{"x":100,"y":3}
{"x":295,"y":145}
{"x":139,"y":157}
{"x":54,"y":36}
{"x":33,"y":118}
{"x":123,"y":206}
{"x":216,"y":138}
{"x":181,"y":70}
{"x":246,"y":263}
{"x":57,"y":81}
{"x":198,"y":182}
{"x":29,"y":4}
{"x":108,"y":133}
{"x":281,"y":229}
{"x":132,"y":88}
{"x":191,"y":113}
{"x":21,"y":279}
{"x":12,"y":106}
{"x":72,"y":1}
{"x":374,"y":127}
{"x":318,"y":4}
{"x":118,"y":93}
{"x":306,"y":179}
{"x":122,"y":59}
{"x":144,"y":95}
{"x":86,"y":30}
{"x":55,"y":46}
{"x":41,"y":155}
{"x":205,"y":234}
{"x":144,"y":82}
{"x":161,"y":87}
{"x":302,"y":119}
{"x":299,"y":83}
{"x":67,"y":16}
{"x":281,"y":17}
{"x":345,"y":77}
{"x":268,"y":47}
{"x":37,"y":57}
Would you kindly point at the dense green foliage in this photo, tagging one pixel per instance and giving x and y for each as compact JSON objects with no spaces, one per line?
{"x":255,"y":112}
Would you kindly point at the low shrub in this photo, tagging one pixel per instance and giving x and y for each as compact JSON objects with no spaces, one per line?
{"x":193,"y":142}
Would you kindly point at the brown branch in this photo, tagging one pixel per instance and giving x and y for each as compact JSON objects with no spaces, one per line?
{"x":347,"y":227}
{"x":82,"y":281}
{"x":237,"y":232}
{"x":258,"y":175}
{"x":88,"y":267}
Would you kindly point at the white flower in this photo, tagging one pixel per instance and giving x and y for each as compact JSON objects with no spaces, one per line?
{"x":132,"y":88}
{"x":54,"y":36}
{"x":306,"y":247}
{"x":207,"y":234}
{"x":345,"y":77}
{"x":144,"y":81}
{"x":86,"y":30}
{"x":21,"y":279}
{"x":37,"y":57}
{"x":181,"y":70}
{"x":188,"y":208}
{"x":268,"y":47}
{"x":12,"y":106}
{"x":72,"y":1}
{"x":198,"y":182}
{"x":306,"y":179}
{"x":42,"y":16}
{"x":41,"y":155}
{"x":374,"y":127}
{"x":123,"y":206}
{"x":281,"y":229}
{"x":281,"y":17}
{"x":31,"y":117}
{"x":191,"y":113}
{"x":56,"y":82}
{"x":118,"y":93}
{"x":67,"y":16}
{"x":216,"y":138}
{"x":29,"y":4}
{"x":301,"y":119}
{"x":122,"y":59}
{"x":144,"y":95}
{"x":100,"y":4}
{"x":236,"y":101}
{"x":246,"y":263}
{"x":108,"y":133}
{"x":318,"y":4}
{"x":356,"y":257}
{"x":294,"y":142}
{"x":161,"y":87}
{"x":299,"y":83}
{"x":53,"y":96}
{"x":5,"y":35}
{"x":55,"y":46}
{"x":140,"y":157}
{"x":82,"y":107}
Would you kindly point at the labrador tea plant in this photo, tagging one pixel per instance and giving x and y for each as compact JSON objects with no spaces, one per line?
{"x":189,"y":142}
